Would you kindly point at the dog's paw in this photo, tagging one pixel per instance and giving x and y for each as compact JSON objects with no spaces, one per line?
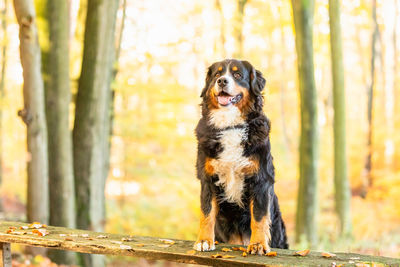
{"x":258,"y":248}
{"x":204,"y":245}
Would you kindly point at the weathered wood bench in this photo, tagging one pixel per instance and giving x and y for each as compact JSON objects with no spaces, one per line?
{"x":161,"y":249}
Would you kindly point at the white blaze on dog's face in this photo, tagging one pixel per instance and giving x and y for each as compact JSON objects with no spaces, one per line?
{"x":228,"y":92}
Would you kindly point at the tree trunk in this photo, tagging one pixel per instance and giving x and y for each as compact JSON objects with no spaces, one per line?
{"x":238,"y":28}
{"x":92,"y":118}
{"x":342,"y":188}
{"x":367,"y":178}
{"x":221,"y":28}
{"x":58,"y":97}
{"x":33,"y":113}
{"x":2,"y":84}
{"x":306,"y":226}
{"x":389,"y":77}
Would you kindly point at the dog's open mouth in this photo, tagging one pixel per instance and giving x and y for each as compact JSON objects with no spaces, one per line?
{"x":225,"y":99}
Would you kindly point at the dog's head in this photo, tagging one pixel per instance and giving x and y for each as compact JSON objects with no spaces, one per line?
{"x":233,"y":83}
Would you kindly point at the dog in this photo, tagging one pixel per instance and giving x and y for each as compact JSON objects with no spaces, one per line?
{"x":234,"y":162}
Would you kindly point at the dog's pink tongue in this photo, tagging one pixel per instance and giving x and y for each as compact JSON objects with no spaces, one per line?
{"x":224,"y":100}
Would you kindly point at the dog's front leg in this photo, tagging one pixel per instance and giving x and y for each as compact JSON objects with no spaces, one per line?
{"x":260,"y":222}
{"x":209,"y":210}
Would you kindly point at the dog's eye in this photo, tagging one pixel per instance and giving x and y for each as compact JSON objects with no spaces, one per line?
{"x":217,"y":74}
{"x":237,"y":75}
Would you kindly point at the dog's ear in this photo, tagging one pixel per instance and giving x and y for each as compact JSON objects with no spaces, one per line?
{"x":208,"y":80}
{"x":257,"y":81}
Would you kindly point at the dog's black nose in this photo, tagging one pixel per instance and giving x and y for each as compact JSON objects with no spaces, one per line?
{"x":222,"y":82}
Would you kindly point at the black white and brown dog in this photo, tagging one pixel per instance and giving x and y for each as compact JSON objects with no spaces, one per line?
{"x":234,"y":162}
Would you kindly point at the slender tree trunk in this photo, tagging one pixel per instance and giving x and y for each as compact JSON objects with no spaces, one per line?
{"x":221,"y":27}
{"x":342,"y":188}
{"x":92,"y":119}
{"x":2,"y":84}
{"x":238,"y":28}
{"x":367,"y":178}
{"x":58,"y":97}
{"x":389,"y":77}
{"x":33,"y":113}
{"x":306,"y":225}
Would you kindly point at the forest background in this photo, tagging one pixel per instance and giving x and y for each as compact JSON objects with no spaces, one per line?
{"x":163,"y":49}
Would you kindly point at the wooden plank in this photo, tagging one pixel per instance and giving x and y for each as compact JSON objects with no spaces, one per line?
{"x":154,"y":248}
{"x":5,"y":255}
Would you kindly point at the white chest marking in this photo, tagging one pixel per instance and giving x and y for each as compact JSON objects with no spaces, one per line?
{"x":226,"y":116}
{"x":230,"y":164}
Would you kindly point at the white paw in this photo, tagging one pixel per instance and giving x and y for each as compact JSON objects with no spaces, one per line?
{"x":204,"y":245}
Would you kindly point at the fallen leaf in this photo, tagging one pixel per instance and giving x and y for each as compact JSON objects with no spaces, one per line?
{"x":235,"y":248}
{"x":37,"y":225}
{"x":244,"y":254}
{"x":127,"y":239}
{"x":228,"y":256}
{"x":12,"y":227}
{"x":24,"y":227}
{"x":19,"y":232}
{"x":191,"y":252}
{"x":226,"y":249}
{"x":139,"y":245}
{"x":40,"y":232}
{"x":89,"y":238}
{"x":362,"y":265}
{"x":164,"y":245}
{"x":167,"y":241}
{"x":271,"y":254}
{"x":101,"y":236}
{"x":215,"y":256}
{"x":216,"y":242}
{"x":327,"y":255}
{"x":302,"y":252}
{"x":9,"y":231}
{"x":243,"y":249}
{"x":125,"y":247}
{"x":68,"y":239}
{"x":85,"y":235}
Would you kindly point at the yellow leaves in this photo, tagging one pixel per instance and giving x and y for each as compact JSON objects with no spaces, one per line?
{"x":244,"y":254}
{"x":101,"y":236}
{"x":191,"y":252}
{"x":40,"y":232}
{"x":271,"y":254}
{"x":302,"y":252}
{"x":228,"y":256}
{"x":127,"y":239}
{"x":36,"y":225}
{"x":216,"y":256}
{"x":226,"y":249}
{"x":139,"y":245}
{"x":167,"y":241}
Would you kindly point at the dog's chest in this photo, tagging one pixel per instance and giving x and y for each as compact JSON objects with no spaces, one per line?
{"x":230,"y":163}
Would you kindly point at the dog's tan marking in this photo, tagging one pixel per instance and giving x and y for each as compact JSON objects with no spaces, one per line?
{"x":235,"y":239}
{"x":251,"y":168}
{"x":205,"y":239}
{"x":234,"y":68}
{"x":212,"y":102}
{"x":208,"y":167}
{"x":220,"y":68}
{"x":260,"y":233}
{"x":245,"y":105}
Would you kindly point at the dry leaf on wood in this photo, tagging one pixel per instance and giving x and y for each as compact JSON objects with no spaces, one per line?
{"x":327,"y":255}
{"x":271,"y":254}
{"x":215,"y":256}
{"x":226,"y":249}
{"x":302,"y":252}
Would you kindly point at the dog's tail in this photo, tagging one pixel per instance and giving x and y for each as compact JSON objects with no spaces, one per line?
{"x":278,"y":231}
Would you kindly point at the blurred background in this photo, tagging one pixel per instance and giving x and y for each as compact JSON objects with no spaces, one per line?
{"x":163,"y":50}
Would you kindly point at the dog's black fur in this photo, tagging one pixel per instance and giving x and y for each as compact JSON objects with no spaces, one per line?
{"x":233,"y":219}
